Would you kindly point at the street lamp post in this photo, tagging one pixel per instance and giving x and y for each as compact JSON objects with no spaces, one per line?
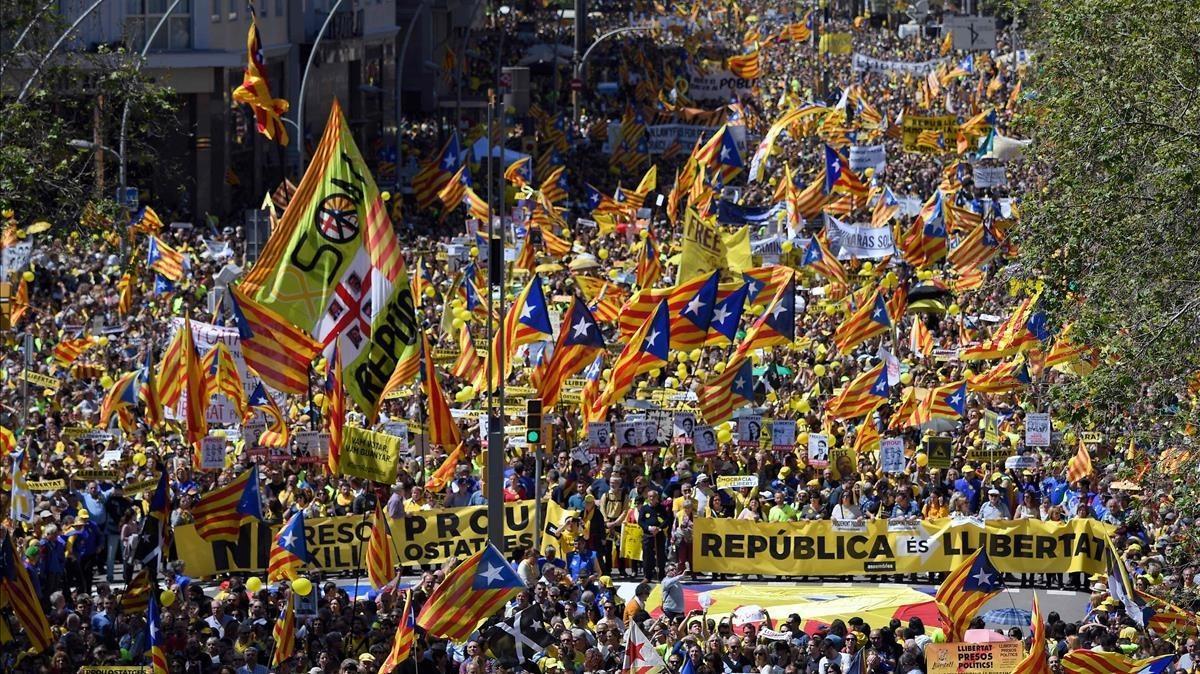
{"x":579,"y":65}
{"x":304,"y":81}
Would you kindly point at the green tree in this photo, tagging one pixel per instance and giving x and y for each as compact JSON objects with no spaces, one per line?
{"x":79,"y":95}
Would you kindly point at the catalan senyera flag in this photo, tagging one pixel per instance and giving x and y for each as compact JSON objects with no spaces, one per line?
{"x":1003,"y":378}
{"x":554,"y":187}
{"x":813,"y":198}
{"x":469,"y":365}
{"x":745,"y":66}
{"x":435,"y":173}
{"x":164,"y":259}
{"x":221,"y":376}
{"x":840,"y":178}
{"x":17,"y":591}
{"x":1093,"y":662}
{"x":196,"y":388}
{"x":526,"y":321}
{"x":729,"y":390}
{"x":818,"y":257}
{"x":335,"y":411}
{"x":220,"y":512}
{"x":276,"y":433}
{"x":170,"y":371}
{"x":406,"y":636}
{"x":146,"y":221}
{"x":477,"y":588}
{"x":649,"y":267}
{"x":289,"y":550}
{"x":445,"y":472}
{"x":381,"y":556}
{"x":727,"y":317}
{"x":579,"y":340}
{"x":605,"y":298}
{"x":333,"y":267}
{"x":764,"y":284}
{"x":1080,"y":465}
{"x":1165,"y":616}
{"x":68,"y":350}
{"x":648,"y":349}
{"x":968,"y":587}
{"x":976,"y":250}
{"x":870,"y":321}
{"x":284,"y":635}
{"x":920,"y":340}
{"x":277,"y":351}
{"x":1035,"y":661}
{"x":862,"y":396}
{"x":158,"y":640}
{"x":443,"y":430}
{"x":255,"y":89}
{"x":136,"y":597}
{"x":124,"y":293}
{"x":689,"y":328}
{"x":777,"y":325}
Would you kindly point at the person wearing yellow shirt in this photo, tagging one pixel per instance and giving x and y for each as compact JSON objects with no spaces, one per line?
{"x":416,"y":501}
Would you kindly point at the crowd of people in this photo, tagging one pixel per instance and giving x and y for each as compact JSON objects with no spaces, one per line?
{"x":92,"y":486}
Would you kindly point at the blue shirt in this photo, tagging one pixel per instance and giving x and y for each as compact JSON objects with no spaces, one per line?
{"x":95,"y":508}
{"x":581,"y":564}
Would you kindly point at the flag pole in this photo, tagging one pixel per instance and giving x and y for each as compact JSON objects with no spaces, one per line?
{"x":359,"y":566}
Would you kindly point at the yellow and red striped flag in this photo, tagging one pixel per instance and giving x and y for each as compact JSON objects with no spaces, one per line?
{"x":1036,"y":660}
{"x":170,"y":371}
{"x":745,"y":66}
{"x":862,"y":396}
{"x":647,"y":350}
{"x":976,"y":250}
{"x":289,"y":550}
{"x":473,"y":591}
{"x":146,"y":221}
{"x":871,"y":320}
{"x":164,"y":259}
{"x":277,"y":351}
{"x":194,"y":385}
{"x":18,"y":592}
{"x":125,"y":294}
{"x":381,"y":556}
{"x":1080,"y":465}
{"x":968,"y":587}
{"x":221,"y":376}
{"x":284,"y":635}
{"x":220,"y":513}
{"x":579,"y":340}
{"x":1095,"y":662}
{"x":1003,"y":378}
{"x":406,"y":636}
{"x":441,"y":477}
{"x":335,"y":417}
{"x":527,"y":320}
{"x":158,"y":652}
{"x":443,"y":430}
{"x":255,"y":89}
{"x":66,"y":351}
{"x":921,"y":340}
{"x":469,"y":365}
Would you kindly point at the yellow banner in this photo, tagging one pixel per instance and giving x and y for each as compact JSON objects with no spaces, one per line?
{"x":337,"y":543}
{"x":100,"y":475}
{"x":826,"y":548}
{"x":39,"y":379}
{"x":835,"y":43}
{"x":115,"y":669}
{"x":912,"y":125}
{"x":997,"y":656}
{"x":46,"y":485}
{"x":369,"y":455}
{"x":703,"y":247}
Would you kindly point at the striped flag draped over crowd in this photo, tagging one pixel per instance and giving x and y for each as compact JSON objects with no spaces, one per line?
{"x":475,"y":589}
{"x":968,"y":587}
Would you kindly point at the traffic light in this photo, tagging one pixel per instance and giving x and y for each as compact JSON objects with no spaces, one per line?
{"x":533,"y":421}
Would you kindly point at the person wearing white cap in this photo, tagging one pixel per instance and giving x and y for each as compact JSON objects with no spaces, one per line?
{"x":994,"y":508}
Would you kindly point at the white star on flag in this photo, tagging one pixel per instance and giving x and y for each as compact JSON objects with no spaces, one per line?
{"x":527,"y":311}
{"x":694,"y":306}
{"x":721,"y":315}
{"x":492,"y":574}
{"x":983,"y":578}
{"x":288,"y":540}
{"x":653,"y":337}
{"x":581,"y":328}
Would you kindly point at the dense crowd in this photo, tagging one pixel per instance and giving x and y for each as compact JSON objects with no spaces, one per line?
{"x":79,"y":548}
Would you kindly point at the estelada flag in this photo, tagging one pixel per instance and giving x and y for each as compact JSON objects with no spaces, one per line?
{"x":255,"y":89}
{"x":334,"y":268}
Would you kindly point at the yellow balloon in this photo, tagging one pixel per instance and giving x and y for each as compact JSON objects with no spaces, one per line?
{"x":922,"y":459}
{"x":804,"y":406}
{"x":700,"y":374}
{"x":724,"y":435}
{"x":819,"y":370}
{"x":474,"y":251}
{"x":697,"y":355}
{"x":602,"y":254}
{"x":802,"y":439}
{"x":103,"y":341}
{"x":830,"y":310}
{"x":27,"y":275}
{"x":655,"y":372}
{"x":430,"y":292}
{"x":719,"y":367}
{"x":867,"y":268}
{"x":469,"y":390}
{"x":167,"y":597}
{"x":385,"y":195}
{"x":7,"y":213}
{"x":254,"y":584}
{"x":458,"y":324}
{"x":302,"y":586}
{"x":787,"y":247}
{"x":319,"y":399}
{"x":607,"y":373}
{"x":106,"y":381}
{"x":906,"y":378}
{"x":953,"y":309}
{"x":139,"y":459}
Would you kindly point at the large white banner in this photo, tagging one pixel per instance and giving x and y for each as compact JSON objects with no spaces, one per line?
{"x":718,"y":85}
{"x":659,"y":137}
{"x":866,"y":64}
{"x":861,"y":241}
{"x":863,"y":157}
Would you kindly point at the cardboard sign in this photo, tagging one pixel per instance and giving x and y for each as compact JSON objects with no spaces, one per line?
{"x":599,"y":437}
{"x":39,"y":379}
{"x":369,"y":455}
{"x":996,"y":656}
{"x":818,"y":450}
{"x":312,"y":445}
{"x":736,"y":481}
{"x":705,"y":440}
{"x":683,"y":427}
{"x":891,"y":455}
{"x":1037,"y":429}
{"x":783,"y":434}
{"x":939,"y":451}
{"x":749,"y":430}
{"x":212,"y":453}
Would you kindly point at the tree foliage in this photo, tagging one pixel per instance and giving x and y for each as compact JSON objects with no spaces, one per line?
{"x":1112,"y":229}
{"x":79,"y":95}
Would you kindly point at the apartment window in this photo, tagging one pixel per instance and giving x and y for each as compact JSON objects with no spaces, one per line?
{"x":215,"y":14}
{"x":233,"y":9}
{"x":142,"y":16}
{"x":278,"y":7}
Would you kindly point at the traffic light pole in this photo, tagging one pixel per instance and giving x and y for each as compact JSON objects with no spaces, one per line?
{"x":533,"y":436}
